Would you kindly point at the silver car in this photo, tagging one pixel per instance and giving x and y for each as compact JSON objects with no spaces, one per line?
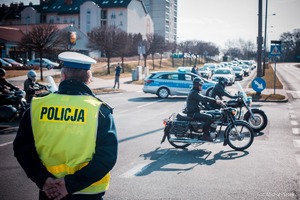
{"x":171,"y":83}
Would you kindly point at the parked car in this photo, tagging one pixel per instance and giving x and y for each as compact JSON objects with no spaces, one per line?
{"x":246,"y":68}
{"x":212,"y":66}
{"x":205,"y":72}
{"x":46,"y":63}
{"x":224,"y":72}
{"x":239,"y":73}
{"x":168,"y":83}
{"x":4,"y":64}
{"x":13,"y":62}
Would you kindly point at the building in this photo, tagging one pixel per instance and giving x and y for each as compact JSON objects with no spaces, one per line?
{"x":164,"y":16}
{"x":84,"y":15}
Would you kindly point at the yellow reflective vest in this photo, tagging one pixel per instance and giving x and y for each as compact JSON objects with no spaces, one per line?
{"x":65,"y":130}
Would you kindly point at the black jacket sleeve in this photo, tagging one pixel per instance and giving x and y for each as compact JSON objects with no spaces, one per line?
{"x":104,"y":158}
{"x":26,"y":154}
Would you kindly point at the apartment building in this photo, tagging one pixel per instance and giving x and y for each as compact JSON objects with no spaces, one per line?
{"x":164,"y":16}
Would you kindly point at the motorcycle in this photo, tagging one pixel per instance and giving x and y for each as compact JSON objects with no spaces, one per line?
{"x":12,"y":105}
{"x":181,"y":131}
{"x":257,"y":118}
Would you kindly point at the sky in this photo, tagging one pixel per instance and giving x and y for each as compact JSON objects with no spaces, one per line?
{"x":220,"y":21}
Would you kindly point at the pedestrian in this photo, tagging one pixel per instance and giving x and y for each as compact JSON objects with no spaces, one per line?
{"x":194,"y":70}
{"x":31,"y":86}
{"x":67,"y":141}
{"x":117,"y":75}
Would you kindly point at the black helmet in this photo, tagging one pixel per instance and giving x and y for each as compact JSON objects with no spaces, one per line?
{"x":2,"y":72}
{"x":223,"y":81}
{"x":197,"y":82}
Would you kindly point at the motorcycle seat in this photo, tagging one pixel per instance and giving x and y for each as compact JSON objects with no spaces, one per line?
{"x":183,"y":117}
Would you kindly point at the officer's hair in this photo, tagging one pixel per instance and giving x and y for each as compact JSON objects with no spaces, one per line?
{"x":81,"y":75}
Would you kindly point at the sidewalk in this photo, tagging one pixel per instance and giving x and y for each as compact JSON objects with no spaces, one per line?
{"x":97,"y":83}
{"x":127,"y":86}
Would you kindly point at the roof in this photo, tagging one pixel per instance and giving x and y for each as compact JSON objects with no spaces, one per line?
{"x":10,"y":34}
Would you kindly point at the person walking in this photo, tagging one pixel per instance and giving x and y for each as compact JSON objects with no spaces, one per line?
{"x":194,"y":70}
{"x":67,"y":141}
{"x":117,"y":75}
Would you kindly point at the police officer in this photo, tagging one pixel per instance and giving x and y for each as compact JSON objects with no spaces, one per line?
{"x":219,"y":89}
{"x":5,"y":86}
{"x":31,"y":86}
{"x":193,"y":107}
{"x":67,"y":141}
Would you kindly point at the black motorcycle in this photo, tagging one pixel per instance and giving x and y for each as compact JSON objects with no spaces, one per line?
{"x":182,"y":131}
{"x":12,"y":105}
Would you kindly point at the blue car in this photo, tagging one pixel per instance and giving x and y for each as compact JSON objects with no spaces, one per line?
{"x":171,"y":83}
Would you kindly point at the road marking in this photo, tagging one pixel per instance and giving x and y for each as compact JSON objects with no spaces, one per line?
{"x":296,"y":131}
{"x":132,"y":172}
{"x":298,"y":159}
{"x":147,"y":104}
{"x":294,"y":123}
{"x":296,"y":143}
{"x":7,"y":143}
{"x":293,"y":116}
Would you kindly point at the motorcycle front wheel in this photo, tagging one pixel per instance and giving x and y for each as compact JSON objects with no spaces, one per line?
{"x":259,"y":122}
{"x":239,"y":135}
{"x":177,"y":141}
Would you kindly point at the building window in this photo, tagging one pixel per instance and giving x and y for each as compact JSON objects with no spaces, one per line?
{"x":51,"y":21}
{"x":113,"y":15}
{"x":103,"y":14}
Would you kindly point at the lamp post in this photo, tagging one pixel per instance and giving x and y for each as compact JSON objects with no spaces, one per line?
{"x":265,"y":39}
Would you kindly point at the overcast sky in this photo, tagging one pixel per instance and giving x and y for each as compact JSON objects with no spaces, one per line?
{"x":218,"y":21}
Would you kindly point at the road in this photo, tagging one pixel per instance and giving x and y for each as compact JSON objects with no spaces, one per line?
{"x":146,"y":169}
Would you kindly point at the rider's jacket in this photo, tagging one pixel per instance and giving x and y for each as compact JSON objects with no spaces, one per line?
{"x":57,"y":119}
{"x":219,"y":91}
{"x":194,"y":100}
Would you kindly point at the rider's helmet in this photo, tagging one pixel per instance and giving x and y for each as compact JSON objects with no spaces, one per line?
{"x":32,"y":75}
{"x":197,"y":82}
{"x":2,"y":72}
{"x":223,"y":81}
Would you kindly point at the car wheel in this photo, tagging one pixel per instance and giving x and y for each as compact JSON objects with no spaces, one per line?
{"x":163,"y":93}
{"x":209,"y":92}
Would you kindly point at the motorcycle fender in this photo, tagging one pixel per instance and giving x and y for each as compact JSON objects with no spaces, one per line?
{"x":248,"y":114}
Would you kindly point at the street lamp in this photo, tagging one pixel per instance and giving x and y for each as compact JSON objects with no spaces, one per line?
{"x":265,"y":38}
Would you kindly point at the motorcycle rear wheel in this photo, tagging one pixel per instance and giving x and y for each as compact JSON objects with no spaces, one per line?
{"x":180,"y":145}
{"x":259,"y":122}
{"x":240,"y":141}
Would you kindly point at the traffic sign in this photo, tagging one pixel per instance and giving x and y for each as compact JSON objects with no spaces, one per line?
{"x":258,"y":84}
{"x":275,"y":50}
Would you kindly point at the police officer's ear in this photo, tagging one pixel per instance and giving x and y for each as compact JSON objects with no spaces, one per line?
{"x":63,"y":76}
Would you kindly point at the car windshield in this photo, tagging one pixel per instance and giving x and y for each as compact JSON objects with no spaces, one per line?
{"x":47,"y":60}
{"x":9,"y":60}
{"x":237,"y":68}
{"x":223,"y":71}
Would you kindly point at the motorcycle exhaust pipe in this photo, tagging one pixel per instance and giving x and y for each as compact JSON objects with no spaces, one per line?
{"x":186,"y":140}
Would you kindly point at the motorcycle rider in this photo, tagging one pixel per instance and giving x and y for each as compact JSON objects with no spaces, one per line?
{"x":219,"y":89}
{"x":193,"y":108}
{"x":31,"y":86}
{"x":5,"y":86}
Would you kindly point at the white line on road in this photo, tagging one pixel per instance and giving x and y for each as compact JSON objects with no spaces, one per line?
{"x":7,"y":143}
{"x":296,"y":143}
{"x":147,"y":104}
{"x":294,"y":123}
{"x":132,"y":172}
{"x":296,"y":131}
{"x":298,"y":159}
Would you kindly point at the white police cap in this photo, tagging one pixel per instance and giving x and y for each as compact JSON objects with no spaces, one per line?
{"x":76,"y":60}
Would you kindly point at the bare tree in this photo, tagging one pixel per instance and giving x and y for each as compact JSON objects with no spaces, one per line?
{"x":106,"y":39}
{"x":40,"y":39}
